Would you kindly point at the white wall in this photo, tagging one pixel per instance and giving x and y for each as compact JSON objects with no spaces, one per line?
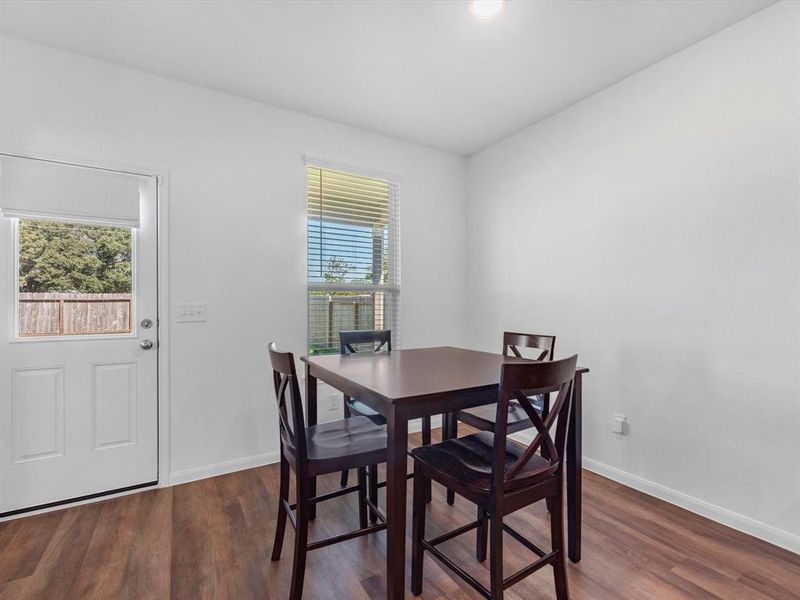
{"x":238,"y":225}
{"x":654,"y":228}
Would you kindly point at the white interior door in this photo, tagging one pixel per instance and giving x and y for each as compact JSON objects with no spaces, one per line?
{"x":79,"y":348}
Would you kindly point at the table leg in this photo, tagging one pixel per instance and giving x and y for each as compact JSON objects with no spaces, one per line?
{"x":311,"y":420}
{"x":396,"y":465}
{"x":574,"y":472}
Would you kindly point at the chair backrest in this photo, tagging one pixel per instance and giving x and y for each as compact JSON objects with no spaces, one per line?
{"x":377,"y":339}
{"x":544,"y":344}
{"x":517,"y":382}
{"x":290,"y":405}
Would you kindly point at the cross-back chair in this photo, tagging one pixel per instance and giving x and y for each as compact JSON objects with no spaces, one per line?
{"x":353,"y":443}
{"x":379,"y":340}
{"x":483,"y":417}
{"x":501,"y":476}
{"x":375,"y":340}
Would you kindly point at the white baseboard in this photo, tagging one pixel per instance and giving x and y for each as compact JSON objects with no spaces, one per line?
{"x":765,"y":532}
{"x":762,"y":531}
{"x":221,"y":468}
{"x":256,"y":460}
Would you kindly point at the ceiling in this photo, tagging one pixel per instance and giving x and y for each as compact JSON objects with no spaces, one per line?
{"x":428,"y":72}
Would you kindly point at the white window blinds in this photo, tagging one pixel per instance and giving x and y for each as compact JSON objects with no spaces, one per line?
{"x":38,"y":189}
{"x":353,"y":256}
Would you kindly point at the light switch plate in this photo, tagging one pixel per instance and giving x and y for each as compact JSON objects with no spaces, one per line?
{"x":192,"y":313}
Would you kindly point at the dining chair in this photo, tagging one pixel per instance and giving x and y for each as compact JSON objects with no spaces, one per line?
{"x":502,"y":476}
{"x":353,"y":443}
{"x":483,"y":417}
{"x":380,"y":340}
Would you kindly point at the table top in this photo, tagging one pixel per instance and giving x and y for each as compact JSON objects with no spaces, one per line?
{"x":415,"y":373}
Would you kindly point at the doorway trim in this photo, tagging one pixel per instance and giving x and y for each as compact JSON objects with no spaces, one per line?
{"x":164,"y":296}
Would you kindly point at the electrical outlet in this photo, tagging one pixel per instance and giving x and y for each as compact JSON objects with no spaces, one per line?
{"x":619,"y":424}
{"x":191,"y":313}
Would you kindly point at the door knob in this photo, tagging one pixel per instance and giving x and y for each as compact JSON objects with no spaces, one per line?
{"x":146,"y":344}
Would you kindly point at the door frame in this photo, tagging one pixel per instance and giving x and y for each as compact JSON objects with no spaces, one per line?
{"x":164,"y":348}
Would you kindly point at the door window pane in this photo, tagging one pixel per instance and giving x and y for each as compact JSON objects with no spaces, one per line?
{"x":74,"y":279}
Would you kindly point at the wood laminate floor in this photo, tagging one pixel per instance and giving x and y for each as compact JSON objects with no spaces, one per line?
{"x":212,"y":539}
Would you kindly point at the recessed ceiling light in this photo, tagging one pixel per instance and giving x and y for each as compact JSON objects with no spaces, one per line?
{"x":486,"y":8}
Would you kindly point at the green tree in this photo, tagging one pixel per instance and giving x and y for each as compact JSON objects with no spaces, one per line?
{"x":68,"y":257}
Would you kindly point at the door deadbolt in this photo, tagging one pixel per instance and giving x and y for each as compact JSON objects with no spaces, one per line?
{"x":146,"y":323}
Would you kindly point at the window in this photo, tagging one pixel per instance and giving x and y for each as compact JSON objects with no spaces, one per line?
{"x":74,"y":279}
{"x":353,"y":256}
{"x":75,"y":245}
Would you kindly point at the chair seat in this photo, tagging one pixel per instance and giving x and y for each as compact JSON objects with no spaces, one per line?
{"x":345,"y":444}
{"x":467,"y":461}
{"x":483,"y":417}
{"x":358,"y":408}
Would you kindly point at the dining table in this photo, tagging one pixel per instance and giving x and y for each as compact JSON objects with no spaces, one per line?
{"x":408,"y":384}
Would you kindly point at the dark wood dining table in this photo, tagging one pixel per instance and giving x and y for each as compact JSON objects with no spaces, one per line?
{"x":408,"y":384}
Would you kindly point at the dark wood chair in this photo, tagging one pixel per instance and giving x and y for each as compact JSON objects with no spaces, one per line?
{"x":501,"y":476}
{"x":354,"y":443}
{"x":483,"y":417}
{"x":351,"y":342}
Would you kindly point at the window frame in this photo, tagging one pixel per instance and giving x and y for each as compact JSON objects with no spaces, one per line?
{"x":393,"y":286}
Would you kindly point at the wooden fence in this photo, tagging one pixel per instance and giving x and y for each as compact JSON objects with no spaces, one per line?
{"x":73,"y":314}
{"x":330,"y":314}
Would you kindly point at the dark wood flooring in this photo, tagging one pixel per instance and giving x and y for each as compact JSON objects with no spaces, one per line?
{"x":212,"y":539}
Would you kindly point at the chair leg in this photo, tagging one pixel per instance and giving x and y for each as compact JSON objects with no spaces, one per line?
{"x":346,"y":413}
{"x":418,"y":531}
{"x":453,"y":433}
{"x":362,"y":497}
{"x":346,"y":406}
{"x":300,"y":541}
{"x":426,"y":441}
{"x":557,"y":535}
{"x":496,"y":557}
{"x":283,"y":494}
{"x":426,"y":431}
{"x":373,"y":490}
{"x":543,"y":450}
{"x":482,"y":539}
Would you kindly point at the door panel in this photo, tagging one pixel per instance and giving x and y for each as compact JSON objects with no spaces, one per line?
{"x":78,"y":391}
{"x":114,"y":405}
{"x":37,"y":414}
